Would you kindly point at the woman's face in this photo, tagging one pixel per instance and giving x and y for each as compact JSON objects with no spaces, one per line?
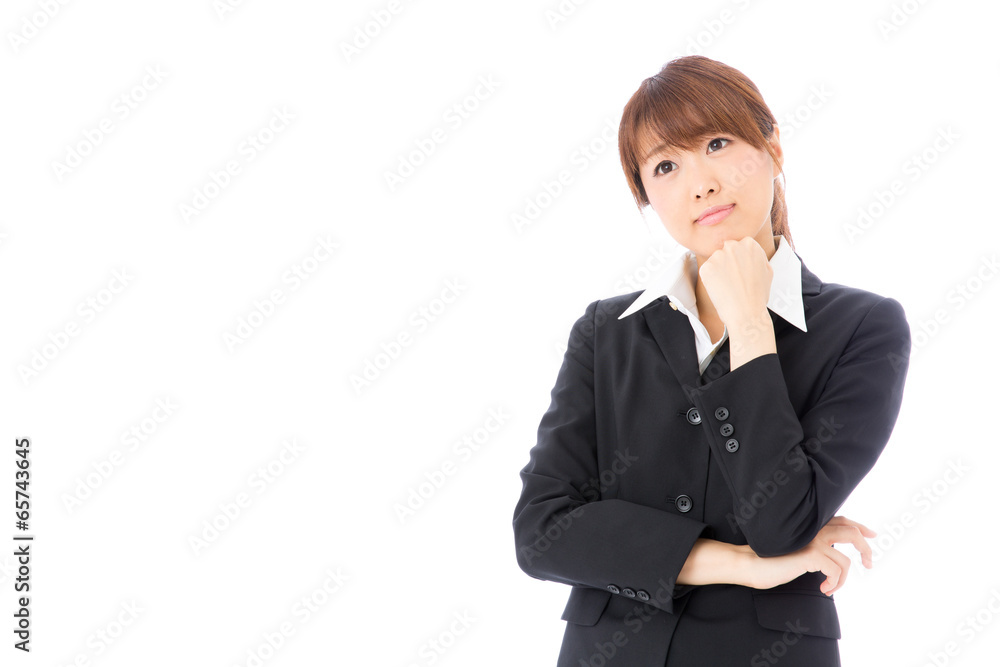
{"x":723,"y":171}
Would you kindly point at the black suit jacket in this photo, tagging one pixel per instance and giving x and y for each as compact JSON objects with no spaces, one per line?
{"x":638,"y":456}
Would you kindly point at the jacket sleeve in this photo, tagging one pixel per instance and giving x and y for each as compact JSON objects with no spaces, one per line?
{"x":563,"y":531}
{"x":789,"y":476}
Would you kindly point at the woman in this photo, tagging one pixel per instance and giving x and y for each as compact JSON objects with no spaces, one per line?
{"x":702,"y":435}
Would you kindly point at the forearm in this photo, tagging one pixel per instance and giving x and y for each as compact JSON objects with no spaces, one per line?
{"x":714,"y":562}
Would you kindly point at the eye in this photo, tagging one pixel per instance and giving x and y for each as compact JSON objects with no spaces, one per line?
{"x":719,"y":139}
{"x":656,"y":169}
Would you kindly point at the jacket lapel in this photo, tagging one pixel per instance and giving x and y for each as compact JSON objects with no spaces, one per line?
{"x":673,"y":334}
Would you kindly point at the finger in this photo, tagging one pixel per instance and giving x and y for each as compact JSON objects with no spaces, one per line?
{"x":865,"y":549}
{"x":848,"y":534}
{"x":819,"y":562}
{"x":852,"y":535}
{"x":840,"y":533}
{"x":844,"y":521}
{"x":845,"y":567}
{"x":844,"y":533}
{"x":832,"y":570}
{"x":865,"y":530}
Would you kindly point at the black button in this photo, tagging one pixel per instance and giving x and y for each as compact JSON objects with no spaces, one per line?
{"x":694,"y":416}
{"x":726,"y":429}
{"x":722,"y":414}
{"x":628,"y":592}
{"x":642,"y":595}
{"x":683,"y":503}
{"x":614,"y":589}
{"x":732,"y":445}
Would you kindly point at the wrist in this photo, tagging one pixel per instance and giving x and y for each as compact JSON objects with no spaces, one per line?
{"x":751,"y":338}
{"x":714,"y":562}
{"x":751,"y":325}
{"x":742,"y":562}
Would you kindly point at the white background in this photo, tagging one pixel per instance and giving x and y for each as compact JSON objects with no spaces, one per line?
{"x":123,"y":539}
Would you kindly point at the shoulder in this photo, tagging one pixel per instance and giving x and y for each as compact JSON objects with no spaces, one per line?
{"x":614,"y":306}
{"x":853,"y":305}
{"x":840,"y":295}
{"x":599,"y":324}
{"x":608,"y":309}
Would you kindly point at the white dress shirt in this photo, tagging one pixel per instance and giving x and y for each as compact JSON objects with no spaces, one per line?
{"x":678,"y":281}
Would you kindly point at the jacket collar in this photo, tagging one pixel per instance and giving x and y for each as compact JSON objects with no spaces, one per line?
{"x":673,"y":334}
{"x":678,"y":280}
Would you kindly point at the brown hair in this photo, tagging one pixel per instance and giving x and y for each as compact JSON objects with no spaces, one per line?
{"x":689,"y":98}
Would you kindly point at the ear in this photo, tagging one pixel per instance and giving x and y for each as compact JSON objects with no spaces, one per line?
{"x":776,"y":145}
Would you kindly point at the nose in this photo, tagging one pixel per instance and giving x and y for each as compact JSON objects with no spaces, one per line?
{"x":703,"y":180}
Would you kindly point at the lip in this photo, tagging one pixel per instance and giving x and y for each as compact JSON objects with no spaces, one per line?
{"x":714,"y":214}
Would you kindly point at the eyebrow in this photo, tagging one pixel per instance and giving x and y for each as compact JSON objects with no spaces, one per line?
{"x":702,"y":137}
{"x":654,"y":151}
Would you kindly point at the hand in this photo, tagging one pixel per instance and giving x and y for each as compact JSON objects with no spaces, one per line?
{"x":737,"y":278}
{"x":817,"y":556}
